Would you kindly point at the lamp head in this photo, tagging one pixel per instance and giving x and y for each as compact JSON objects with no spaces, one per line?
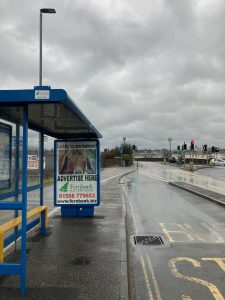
{"x":48,"y":10}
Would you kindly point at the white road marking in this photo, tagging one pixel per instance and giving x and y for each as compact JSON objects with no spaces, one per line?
{"x":153,"y":176}
{"x":104,"y":180}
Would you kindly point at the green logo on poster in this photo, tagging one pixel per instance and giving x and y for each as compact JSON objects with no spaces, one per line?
{"x":64,"y":188}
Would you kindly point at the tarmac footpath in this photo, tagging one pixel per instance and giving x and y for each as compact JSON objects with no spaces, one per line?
{"x":79,"y":258}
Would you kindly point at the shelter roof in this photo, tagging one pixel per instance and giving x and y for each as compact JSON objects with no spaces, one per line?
{"x":49,"y":110}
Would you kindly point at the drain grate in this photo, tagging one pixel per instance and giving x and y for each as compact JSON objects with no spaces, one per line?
{"x":81,"y":260}
{"x":148,"y":240}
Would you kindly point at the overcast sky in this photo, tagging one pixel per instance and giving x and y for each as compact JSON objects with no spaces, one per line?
{"x":145,"y":70}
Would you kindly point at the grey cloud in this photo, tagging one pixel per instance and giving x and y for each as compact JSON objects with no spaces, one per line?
{"x":141,"y":69}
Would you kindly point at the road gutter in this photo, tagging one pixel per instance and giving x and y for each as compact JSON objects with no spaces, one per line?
{"x":134,"y":170}
{"x":125,"y":284}
{"x":124,"y":294}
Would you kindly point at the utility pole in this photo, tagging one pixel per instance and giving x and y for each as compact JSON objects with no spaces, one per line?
{"x":124,"y":140}
{"x":170,"y":142}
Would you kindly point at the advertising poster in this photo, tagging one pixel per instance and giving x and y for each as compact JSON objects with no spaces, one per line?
{"x":32,"y":162}
{"x":77,"y":170}
{"x":5,"y":155}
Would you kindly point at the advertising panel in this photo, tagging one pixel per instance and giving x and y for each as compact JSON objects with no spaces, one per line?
{"x":77,"y":172}
{"x":5,"y":155}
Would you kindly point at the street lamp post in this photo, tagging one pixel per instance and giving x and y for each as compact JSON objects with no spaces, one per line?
{"x":43,"y":11}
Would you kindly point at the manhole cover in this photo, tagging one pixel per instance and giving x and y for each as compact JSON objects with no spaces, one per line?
{"x":148,"y":240}
{"x":98,"y":217}
{"x":81,"y":260}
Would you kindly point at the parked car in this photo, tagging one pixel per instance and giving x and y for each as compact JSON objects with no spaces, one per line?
{"x":219,"y":162}
{"x":173,"y":160}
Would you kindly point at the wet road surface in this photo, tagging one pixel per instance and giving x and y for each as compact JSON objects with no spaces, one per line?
{"x":217,"y":173}
{"x":212,"y":178}
{"x":190,"y":264}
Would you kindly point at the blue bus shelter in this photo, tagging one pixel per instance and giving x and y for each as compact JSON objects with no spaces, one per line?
{"x":48,"y":112}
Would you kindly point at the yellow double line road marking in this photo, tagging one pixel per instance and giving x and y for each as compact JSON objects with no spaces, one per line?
{"x":146,"y":278}
{"x":152,"y":276}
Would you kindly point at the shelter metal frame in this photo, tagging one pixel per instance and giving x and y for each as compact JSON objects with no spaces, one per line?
{"x":47,"y":111}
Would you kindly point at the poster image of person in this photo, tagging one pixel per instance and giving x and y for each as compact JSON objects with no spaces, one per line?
{"x":73,"y":161}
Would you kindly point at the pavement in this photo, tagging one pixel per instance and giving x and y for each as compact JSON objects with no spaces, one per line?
{"x":79,"y":258}
{"x":202,"y":192}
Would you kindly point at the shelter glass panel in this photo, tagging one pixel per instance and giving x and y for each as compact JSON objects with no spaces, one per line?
{"x":33,"y":159}
{"x":12,"y":115}
{"x":48,"y":160}
{"x":9,"y":171}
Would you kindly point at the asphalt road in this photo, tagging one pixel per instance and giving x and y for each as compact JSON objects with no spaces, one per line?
{"x":190,"y":264}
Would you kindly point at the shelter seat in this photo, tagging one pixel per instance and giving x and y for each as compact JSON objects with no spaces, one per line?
{"x":17,"y":221}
